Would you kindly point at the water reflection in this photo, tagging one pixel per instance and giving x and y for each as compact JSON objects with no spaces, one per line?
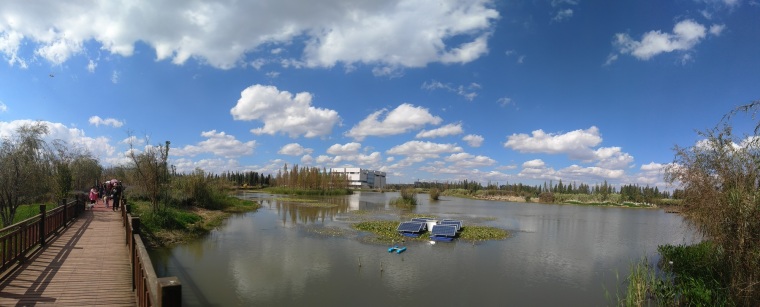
{"x":268,"y":257}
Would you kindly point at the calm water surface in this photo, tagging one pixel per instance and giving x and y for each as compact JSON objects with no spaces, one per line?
{"x":286,"y":254}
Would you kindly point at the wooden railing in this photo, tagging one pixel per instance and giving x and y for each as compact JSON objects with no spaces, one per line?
{"x":18,"y":240}
{"x":149,"y":289}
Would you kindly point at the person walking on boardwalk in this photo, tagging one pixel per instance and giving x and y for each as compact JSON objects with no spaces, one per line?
{"x":116,"y":195}
{"x":93,"y":197}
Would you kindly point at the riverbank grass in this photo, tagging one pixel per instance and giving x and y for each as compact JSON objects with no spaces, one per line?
{"x":176,"y":225}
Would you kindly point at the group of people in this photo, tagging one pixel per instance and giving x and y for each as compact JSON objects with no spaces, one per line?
{"x":108,"y":190}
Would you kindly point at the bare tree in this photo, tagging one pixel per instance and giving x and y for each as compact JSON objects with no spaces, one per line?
{"x":720,"y":177}
{"x":151,"y":171}
{"x":25,"y":168}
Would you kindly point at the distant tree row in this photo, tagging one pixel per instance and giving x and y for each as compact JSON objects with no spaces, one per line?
{"x":630,"y":192}
{"x":312,"y":178}
{"x":248,"y":179}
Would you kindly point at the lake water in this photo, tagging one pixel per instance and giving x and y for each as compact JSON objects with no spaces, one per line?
{"x":286,"y":254}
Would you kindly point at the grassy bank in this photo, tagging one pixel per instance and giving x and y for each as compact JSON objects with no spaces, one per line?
{"x":687,"y":275}
{"x":26,"y":211}
{"x":176,"y":225}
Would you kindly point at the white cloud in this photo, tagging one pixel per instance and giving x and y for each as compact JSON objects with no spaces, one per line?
{"x":469,"y":92}
{"x":504,"y":101}
{"x":307,"y":160}
{"x":717,"y":29}
{"x":217,"y":143}
{"x":115,"y":77}
{"x":97,"y":121}
{"x":575,"y":144}
{"x":686,"y":34}
{"x":535,"y":163}
{"x":423,"y":149}
{"x":465,"y":160}
{"x":222,"y":33}
{"x":473,"y":140}
{"x":10,"y":41}
{"x":402,"y":119}
{"x":283,"y":112}
{"x":346,"y":149}
{"x":612,"y":158}
{"x":3,"y":107}
{"x":450,"y":129}
{"x":294,"y":149}
{"x":563,"y":15}
{"x":91,"y":65}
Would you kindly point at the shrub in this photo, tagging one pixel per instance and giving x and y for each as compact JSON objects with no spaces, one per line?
{"x":546,"y":197}
{"x":435,"y":194}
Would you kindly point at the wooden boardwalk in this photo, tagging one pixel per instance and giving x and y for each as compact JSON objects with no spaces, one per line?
{"x":88,"y":264}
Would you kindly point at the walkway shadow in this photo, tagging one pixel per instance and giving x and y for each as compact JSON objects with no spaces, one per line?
{"x":51,"y":268}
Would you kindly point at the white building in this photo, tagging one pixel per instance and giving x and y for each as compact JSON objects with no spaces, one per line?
{"x":362,"y":178}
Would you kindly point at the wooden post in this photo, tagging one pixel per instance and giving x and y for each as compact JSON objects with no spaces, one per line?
{"x":65,"y":215}
{"x":169,"y":291}
{"x":42,"y":225}
{"x":132,"y":247}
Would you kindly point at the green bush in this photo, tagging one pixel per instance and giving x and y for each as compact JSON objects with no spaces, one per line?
{"x":435,"y":194}
{"x":408,"y":198}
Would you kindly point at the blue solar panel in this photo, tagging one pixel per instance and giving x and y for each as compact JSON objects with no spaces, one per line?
{"x":410,"y":227}
{"x":444,"y":230}
{"x":456,"y":223}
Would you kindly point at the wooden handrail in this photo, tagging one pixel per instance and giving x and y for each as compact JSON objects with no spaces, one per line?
{"x":17,"y":241}
{"x":149,"y":289}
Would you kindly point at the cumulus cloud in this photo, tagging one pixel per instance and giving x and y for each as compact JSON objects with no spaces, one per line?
{"x":473,"y":140}
{"x":294,"y":149}
{"x":283,"y":112}
{"x":219,"y":144}
{"x":402,"y":119}
{"x":535,"y":163}
{"x":97,"y":121}
{"x":346,"y":149}
{"x":685,"y":35}
{"x":450,"y":129}
{"x":575,"y":144}
{"x":223,"y":33}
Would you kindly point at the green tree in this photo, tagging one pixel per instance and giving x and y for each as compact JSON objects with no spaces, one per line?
{"x":25,"y":168}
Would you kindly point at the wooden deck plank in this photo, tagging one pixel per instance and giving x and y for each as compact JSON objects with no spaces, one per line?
{"x":86,"y":265}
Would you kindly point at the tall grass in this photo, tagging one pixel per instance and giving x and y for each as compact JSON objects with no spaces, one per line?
{"x":408,"y":198}
{"x":687,"y":276}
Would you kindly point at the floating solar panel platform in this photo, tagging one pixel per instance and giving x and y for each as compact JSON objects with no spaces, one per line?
{"x":444,"y":231}
{"x":456,"y":223}
{"x":411,"y":229}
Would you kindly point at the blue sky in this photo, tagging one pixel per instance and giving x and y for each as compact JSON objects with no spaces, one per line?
{"x":500,"y":91}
